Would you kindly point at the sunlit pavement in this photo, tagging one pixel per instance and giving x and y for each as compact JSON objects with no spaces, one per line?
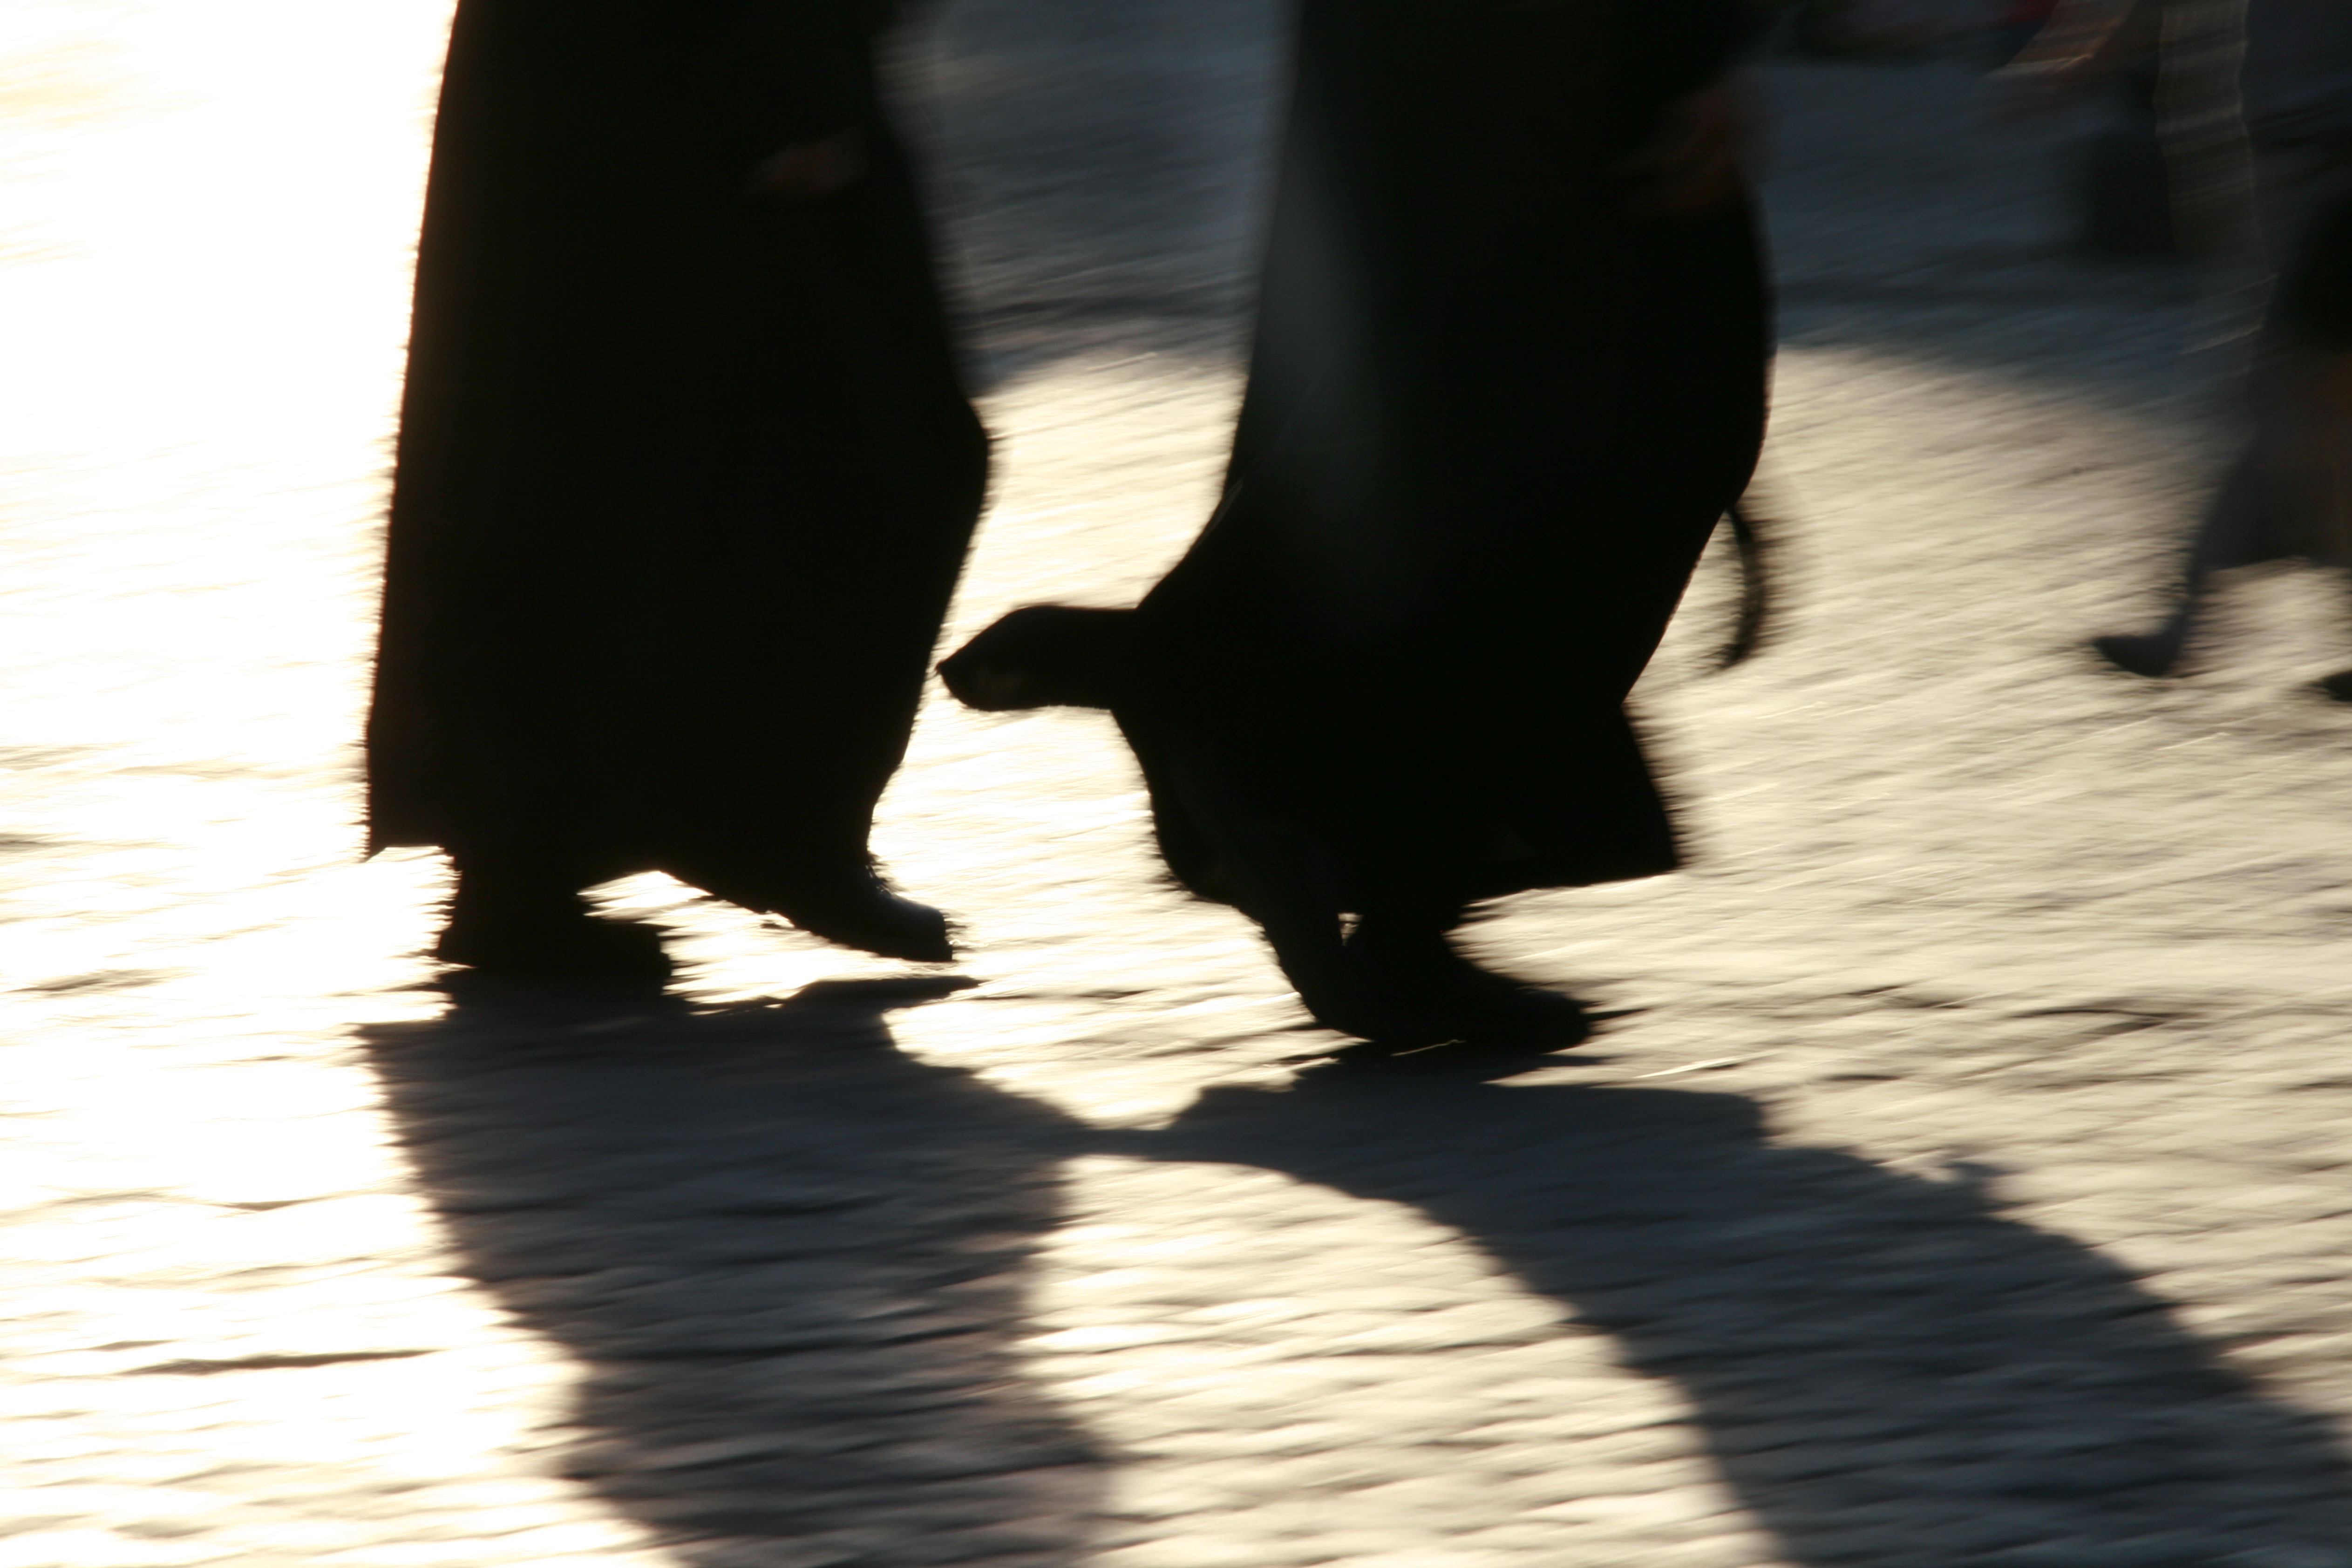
{"x":1960,"y":1179}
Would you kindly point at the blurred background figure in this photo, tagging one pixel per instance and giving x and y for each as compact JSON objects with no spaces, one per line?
{"x":2120,"y":196}
{"x":686,"y":475}
{"x":2255,"y":100}
{"x":1508,"y":372}
{"x":2123,"y":189}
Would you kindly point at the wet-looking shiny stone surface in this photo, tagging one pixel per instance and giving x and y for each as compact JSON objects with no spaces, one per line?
{"x":1959,"y":1179}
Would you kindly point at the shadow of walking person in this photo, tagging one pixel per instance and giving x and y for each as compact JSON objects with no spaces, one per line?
{"x":789,"y":1259}
{"x":792,"y":1263}
{"x":1886,"y":1371}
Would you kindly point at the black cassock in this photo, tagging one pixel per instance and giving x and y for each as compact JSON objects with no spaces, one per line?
{"x":1495,"y":406}
{"x":685,"y":478}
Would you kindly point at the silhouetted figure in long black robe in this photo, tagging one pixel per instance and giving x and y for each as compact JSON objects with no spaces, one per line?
{"x":1509,"y":372}
{"x":686,"y":476}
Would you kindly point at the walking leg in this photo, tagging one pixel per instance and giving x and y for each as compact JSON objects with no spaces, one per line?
{"x":517,"y":913}
{"x":2229,"y":536}
{"x":1400,"y":950}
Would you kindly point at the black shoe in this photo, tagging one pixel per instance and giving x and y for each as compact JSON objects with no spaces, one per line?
{"x":1047,"y":656}
{"x":566,"y":946}
{"x":1513,"y":1016}
{"x":844,"y":902}
{"x":2154,"y":656}
{"x":2338,"y":686}
{"x":860,"y":910}
{"x":1418,"y":978}
{"x":1373,"y":1012}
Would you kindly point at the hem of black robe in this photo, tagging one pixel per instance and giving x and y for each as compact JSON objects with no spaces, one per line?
{"x":1646,"y":844}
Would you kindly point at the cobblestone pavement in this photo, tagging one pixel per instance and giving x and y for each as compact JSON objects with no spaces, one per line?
{"x":1960,"y":1179}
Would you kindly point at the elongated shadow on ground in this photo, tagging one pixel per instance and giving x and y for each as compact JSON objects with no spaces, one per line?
{"x":1887,"y":1370}
{"x":788,"y":1258}
{"x":793,"y":1264}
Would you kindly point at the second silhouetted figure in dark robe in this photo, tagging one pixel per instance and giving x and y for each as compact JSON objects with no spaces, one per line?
{"x":686,"y":476}
{"x":1508,"y":374}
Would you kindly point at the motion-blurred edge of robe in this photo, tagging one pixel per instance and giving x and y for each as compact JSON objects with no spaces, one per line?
{"x":1496,"y":408}
{"x":685,"y":478}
